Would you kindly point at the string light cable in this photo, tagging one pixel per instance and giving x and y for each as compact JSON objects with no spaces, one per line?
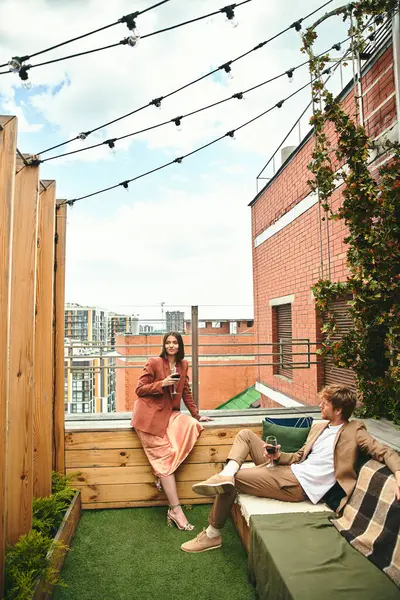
{"x":16,"y":64}
{"x":158,"y":101}
{"x":178,"y":160}
{"x":178,"y":120}
{"x":370,"y":37}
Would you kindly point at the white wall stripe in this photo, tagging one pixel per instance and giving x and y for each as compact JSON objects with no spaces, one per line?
{"x":278,"y":397}
{"x":390,"y":133}
{"x":287,"y":218}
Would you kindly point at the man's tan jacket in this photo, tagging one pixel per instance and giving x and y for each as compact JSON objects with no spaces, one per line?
{"x":350,"y":439}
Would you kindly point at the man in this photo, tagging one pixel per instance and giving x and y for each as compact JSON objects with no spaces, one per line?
{"x":327,"y":458}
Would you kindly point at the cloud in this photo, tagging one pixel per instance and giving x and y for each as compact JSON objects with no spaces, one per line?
{"x":186,"y":246}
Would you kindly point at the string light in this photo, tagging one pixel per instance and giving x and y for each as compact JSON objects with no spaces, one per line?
{"x":133,"y":39}
{"x":15,"y":64}
{"x":125,"y":184}
{"x":230,"y":133}
{"x":238,"y":95}
{"x":130,"y":21}
{"x":23,"y":74}
{"x":111,"y":144}
{"x":297,"y":25}
{"x":228,"y":70}
{"x":82,"y":136}
{"x":289,"y":73}
{"x":230,"y":14}
{"x":178,"y":123}
{"x":157,"y":101}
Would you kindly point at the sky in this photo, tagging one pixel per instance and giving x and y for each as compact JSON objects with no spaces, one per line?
{"x":181,"y":236}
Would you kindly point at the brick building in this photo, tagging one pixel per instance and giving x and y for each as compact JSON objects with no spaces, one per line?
{"x":217,"y":384}
{"x":293,"y":246}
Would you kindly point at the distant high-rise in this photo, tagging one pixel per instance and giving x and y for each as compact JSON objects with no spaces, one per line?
{"x":90,"y":366}
{"x":121,"y":325}
{"x":86,"y":323}
{"x":175,"y":321}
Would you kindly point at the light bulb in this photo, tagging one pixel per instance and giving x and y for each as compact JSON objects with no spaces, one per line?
{"x":82,"y":136}
{"x":14,"y":65}
{"x":234,"y":22}
{"x":134,"y":38}
{"x":27,"y":85}
{"x":178,"y":123}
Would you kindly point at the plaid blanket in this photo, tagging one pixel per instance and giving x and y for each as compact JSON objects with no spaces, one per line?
{"x":371,"y":519}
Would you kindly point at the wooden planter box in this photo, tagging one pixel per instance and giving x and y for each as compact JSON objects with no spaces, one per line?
{"x":43,"y":590}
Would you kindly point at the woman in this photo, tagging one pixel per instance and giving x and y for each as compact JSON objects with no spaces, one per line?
{"x":166,"y":434}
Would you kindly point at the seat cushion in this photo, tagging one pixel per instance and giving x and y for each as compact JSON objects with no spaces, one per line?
{"x":253,"y":505}
{"x":303,"y":557}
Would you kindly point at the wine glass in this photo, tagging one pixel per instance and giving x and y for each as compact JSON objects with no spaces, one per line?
{"x":175,"y":375}
{"x":271,"y":448}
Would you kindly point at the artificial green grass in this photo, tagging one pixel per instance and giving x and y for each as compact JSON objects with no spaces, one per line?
{"x":131,"y":554}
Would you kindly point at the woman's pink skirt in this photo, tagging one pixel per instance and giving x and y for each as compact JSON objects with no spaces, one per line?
{"x":166,"y":453}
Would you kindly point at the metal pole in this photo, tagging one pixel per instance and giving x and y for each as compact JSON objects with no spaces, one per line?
{"x":396,"y":60}
{"x":195,"y":354}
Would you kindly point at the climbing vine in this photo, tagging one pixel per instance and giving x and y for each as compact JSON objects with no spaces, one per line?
{"x":370,"y":209}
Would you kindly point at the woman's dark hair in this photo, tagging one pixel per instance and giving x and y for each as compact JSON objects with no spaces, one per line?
{"x":180,"y":355}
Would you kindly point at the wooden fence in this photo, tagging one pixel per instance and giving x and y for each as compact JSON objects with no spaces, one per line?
{"x":32,"y":283}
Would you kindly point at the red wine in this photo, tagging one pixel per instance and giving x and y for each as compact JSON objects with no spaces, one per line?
{"x":271,"y":449}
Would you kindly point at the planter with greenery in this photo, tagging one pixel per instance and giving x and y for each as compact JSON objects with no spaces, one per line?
{"x":33,"y":563}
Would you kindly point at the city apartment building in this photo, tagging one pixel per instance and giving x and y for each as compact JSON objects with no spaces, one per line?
{"x":86,"y":323}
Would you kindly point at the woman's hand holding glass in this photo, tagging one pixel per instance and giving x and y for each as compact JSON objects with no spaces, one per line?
{"x":168,"y":381}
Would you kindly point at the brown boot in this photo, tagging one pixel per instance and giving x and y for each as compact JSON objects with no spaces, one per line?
{"x":202,"y":543}
{"x":217,"y":484}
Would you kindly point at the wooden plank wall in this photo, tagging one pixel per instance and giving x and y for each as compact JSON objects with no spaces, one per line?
{"x":27,"y":221}
{"x":112,"y":471}
{"x":8,"y":145}
{"x":19,"y":467}
{"x":59,"y":327}
{"x":44,"y":362}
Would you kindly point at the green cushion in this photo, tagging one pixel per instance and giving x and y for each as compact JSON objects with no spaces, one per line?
{"x":291,"y":439}
{"x":302,"y":557}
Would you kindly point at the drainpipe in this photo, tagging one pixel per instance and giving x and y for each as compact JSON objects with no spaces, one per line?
{"x":396,"y":66}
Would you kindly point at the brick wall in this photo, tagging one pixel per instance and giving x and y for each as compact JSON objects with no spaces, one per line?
{"x":217,"y":384}
{"x":290,"y":262}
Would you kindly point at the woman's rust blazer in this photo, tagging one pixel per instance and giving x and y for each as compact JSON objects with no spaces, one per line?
{"x":155,"y":403}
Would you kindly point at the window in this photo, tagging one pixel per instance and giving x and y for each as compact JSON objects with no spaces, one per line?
{"x":336,"y":375}
{"x":282,"y":329}
{"x":233,"y":327}
{"x":216,"y":324}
